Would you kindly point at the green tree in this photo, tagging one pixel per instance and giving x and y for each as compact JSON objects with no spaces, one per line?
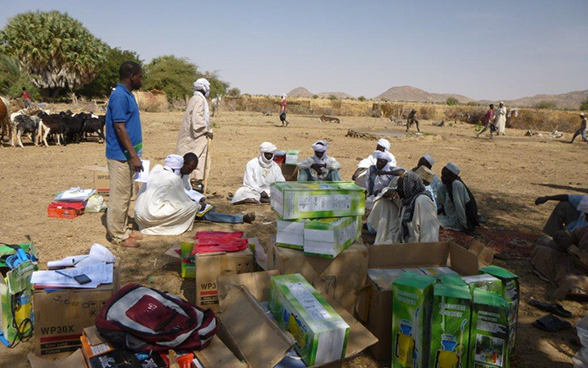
{"x":13,"y":78}
{"x":332,"y":97}
{"x":56,"y":49}
{"x":451,"y":101}
{"x":315,"y":96}
{"x":545,"y":105}
{"x":361,"y":98}
{"x":234,"y":92}
{"x":108,"y":74}
{"x":173,"y":75}
{"x":217,"y":86}
{"x":584,"y":105}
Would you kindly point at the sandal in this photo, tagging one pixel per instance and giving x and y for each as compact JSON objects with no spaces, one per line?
{"x":130,"y":243}
{"x":555,"y":308}
{"x":551,"y":323}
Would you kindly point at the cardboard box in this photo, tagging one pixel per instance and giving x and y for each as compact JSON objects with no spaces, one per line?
{"x":258,"y":340}
{"x":75,"y":360}
{"x":65,"y":210}
{"x":321,"y":334}
{"x":290,"y":234}
{"x":102,"y":183}
{"x":93,"y":344}
{"x":341,"y":278}
{"x":292,"y":157}
{"x":330,"y":236}
{"x":374,"y":304}
{"x":209,"y":266}
{"x":59,"y":333}
{"x":296,"y":200}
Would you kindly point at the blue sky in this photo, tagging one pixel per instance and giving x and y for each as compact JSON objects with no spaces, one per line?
{"x":481,"y":49}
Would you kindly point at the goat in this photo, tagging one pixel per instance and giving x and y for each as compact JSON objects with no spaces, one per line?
{"x":54,"y":124}
{"x":329,"y":119}
{"x":94,"y":124}
{"x":26,"y":124}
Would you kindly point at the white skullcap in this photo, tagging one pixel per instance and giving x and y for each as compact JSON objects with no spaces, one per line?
{"x":384,"y":143}
{"x":582,"y":114}
{"x":453,"y":168}
{"x":203,"y":85}
{"x":502,"y":102}
{"x":284,"y":95}
{"x":320,"y":146}
{"x":174,"y":162}
{"x":267,"y":147}
{"x":382,"y":155}
{"x":429,"y":159}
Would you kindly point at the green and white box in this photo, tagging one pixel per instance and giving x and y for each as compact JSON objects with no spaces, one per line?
{"x":290,"y":234}
{"x":489,"y":333}
{"x":437,"y":271}
{"x":510,"y":292}
{"x":450,"y":326}
{"x":330,"y":236}
{"x":484,"y":282}
{"x":321,"y":334}
{"x":292,"y":157}
{"x":412,"y":298}
{"x":298,"y":200}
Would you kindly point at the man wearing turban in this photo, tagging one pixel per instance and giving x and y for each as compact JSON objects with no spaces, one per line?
{"x":320,"y":167}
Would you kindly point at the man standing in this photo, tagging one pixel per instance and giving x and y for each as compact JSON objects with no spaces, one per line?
{"x":195,"y":131}
{"x":488,"y":122}
{"x":28,"y":101}
{"x":124,"y":146}
{"x":283,"y":104}
{"x":582,"y":130}
{"x":412,"y":120}
{"x":500,"y":120}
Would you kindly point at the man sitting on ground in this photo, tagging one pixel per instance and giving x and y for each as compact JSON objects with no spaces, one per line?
{"x":167,"y":205}
{"x":418,"y":217}
{"x":427,"y":175}
{"x":321,"y":167}
{"x":379,"y":177}
{"x":458,"y":209}
{"x":569,"y":214}
{"x":260,"y":172}
{"x":428,"y":161}
{"x":360,"y":175}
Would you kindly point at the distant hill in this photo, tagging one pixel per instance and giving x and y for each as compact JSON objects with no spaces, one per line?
{"x":570,"y":100}
{"x":408,"y":93}
{"x":339,"y":95}
{"x":300,"y":92}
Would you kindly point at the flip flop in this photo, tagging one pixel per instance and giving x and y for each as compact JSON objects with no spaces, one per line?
{"x":555,"y":308}
{"x":551,"y":323}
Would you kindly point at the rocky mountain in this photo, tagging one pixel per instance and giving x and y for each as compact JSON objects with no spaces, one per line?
{"x":408,"y":93}
{"x":570,"y":100}
{"x":300,"y":92}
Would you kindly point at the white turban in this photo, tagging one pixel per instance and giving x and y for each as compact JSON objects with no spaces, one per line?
{"x":429,"y":159}
{"x":284,"y":95}
{"x":382,"y":155}
{"x":267,"y":147}
{"x":453,"y":168}
{"x":320,"y":146}
{"x":174,"y":162}
{"x":203,"y":85}
{"x":384,"y":143}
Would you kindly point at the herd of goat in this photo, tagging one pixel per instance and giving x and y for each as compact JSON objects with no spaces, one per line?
{"x":62,"y":128}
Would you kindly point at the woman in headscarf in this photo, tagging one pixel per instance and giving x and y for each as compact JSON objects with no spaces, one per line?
{"x":320,"y":167}
{"x":195,"y":129}
{"x":418,"y":217}
{"x":260,"y":172}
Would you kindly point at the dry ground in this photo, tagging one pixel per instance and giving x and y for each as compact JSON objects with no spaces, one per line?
{"x":506,"y":174}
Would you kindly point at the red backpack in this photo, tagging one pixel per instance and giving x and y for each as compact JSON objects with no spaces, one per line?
{"x":145,"y":319}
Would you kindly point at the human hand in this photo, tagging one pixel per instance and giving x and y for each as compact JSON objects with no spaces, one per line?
{"x":203,"y":202}
{"x":209,"y":135}
{"x":136,"y":164}
{"x":540,"y":200}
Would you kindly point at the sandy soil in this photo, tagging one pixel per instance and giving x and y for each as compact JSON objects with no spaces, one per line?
{"x":506,"y":174}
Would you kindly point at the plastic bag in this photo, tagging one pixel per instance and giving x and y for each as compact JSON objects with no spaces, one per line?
{"x":95,"y":204}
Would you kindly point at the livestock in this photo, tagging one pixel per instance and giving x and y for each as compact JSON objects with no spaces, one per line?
{"x":216,"y":104}
{"x":329,"y":119}
{"x":26,"y":124}
{"x":54,"y":124}
{"x":5,"y":118}
{"x":94,"y":124}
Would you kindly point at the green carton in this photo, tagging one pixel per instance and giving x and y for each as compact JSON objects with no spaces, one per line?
{"x":298,"y":200}
{"x":321,"y":334}
{"x":290,"y":234}
{"x":292,"y":157}
{"x":489,"y":334}
{"x":188,"y":262}
{"x":412,"y":298}
{"x":450,"y":326}
{"x":484,"y":282}
{"x":330,"y":236}
{"x":511,"y":292}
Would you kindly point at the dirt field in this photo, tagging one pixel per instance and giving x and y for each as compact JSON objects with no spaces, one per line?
{"x":505,"y":174}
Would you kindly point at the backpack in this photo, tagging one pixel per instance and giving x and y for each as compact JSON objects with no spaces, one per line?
{"x":140,"y":318}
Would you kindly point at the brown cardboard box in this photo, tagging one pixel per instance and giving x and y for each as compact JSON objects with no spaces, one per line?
{"x":290,"y":172}
{"x":340,"y":277}
{"x":75,"y":360}
{"x":93,"y":344}
{"x":61,"y":316}
{"x":257,"y":339}
{"x":102,"y":184}
{"x":209,"y":266}
{"x":374,"y":306}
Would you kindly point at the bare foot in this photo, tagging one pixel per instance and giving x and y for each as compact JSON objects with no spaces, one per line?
{"x":136,"y":235}
{"x":130,"y":243}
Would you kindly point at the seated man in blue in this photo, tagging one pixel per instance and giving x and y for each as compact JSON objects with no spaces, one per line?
{"x":458,"y":209}
{"x":569,"y":214}
{"x":321,"y":167}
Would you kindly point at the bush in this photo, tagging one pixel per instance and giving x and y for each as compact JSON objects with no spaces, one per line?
{"x":473,"y":103}
{"x":545,"y":105}
{"x":234,"y":92}
{"x":584,"y":105}
{"x":451,"y":101}
{"x":361,"y":98}
{"x":315,"y":96}
{"x":332,"y":97}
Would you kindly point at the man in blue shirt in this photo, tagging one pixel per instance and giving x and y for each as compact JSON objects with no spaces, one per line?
{"x":569,"y":214}
{"x":124,"y":146}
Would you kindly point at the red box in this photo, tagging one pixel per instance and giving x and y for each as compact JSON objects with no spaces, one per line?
{"x":66,"y":210}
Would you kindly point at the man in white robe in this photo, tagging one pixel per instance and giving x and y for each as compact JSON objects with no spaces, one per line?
{"x":260,"y":173}
{"x":500,"y":119}
{"x":459,"y":211}
{"x":320,"y":167}
{"x":195,"y":129}
{"x":379,"y":177}
{"x":384,"y":219}
{"x":359,"y":177}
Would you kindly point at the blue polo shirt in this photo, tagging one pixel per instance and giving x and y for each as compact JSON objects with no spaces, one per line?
{"x":582,"y":221}
{"x":122,"y":108}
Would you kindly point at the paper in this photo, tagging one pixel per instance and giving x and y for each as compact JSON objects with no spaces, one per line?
{"x":194,"y":195}
{"x":204,"y":211}
{"x":98,"y":254}
{"x":99,"y":273}
{"x":142,"y":176}
{"x":66,"y":262}
{"x":75,"y":195}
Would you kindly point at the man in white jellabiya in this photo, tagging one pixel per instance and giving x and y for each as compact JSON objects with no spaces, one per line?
{"x":260,"y":173}
{"x":320,"y":167}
